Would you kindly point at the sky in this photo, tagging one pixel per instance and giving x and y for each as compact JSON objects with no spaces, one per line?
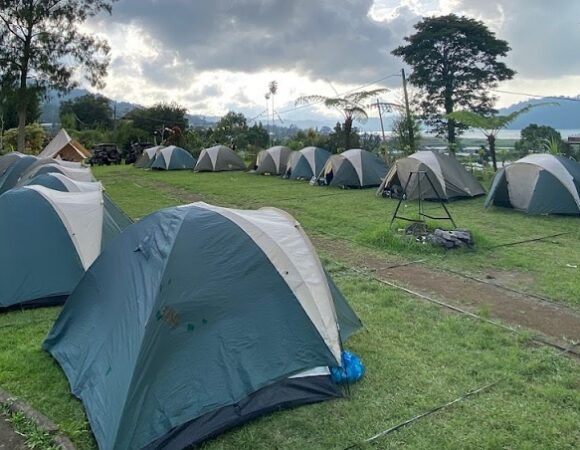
{"x":219,"y":55}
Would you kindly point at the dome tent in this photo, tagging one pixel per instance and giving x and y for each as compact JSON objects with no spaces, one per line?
{"x":449,"y":178}
{"x":147,"y":157}
{"x":353,"y":168}
{"x":538,"y":184}
{"x":8,"y":159}
{"x":41,"y":167}
{"x":16,"y":168}
{"x":61,"y":235}
{"x":224,"y":315}
{"x":173,"y":158}
{"x":306,"y":163}
{"x":273,"y":161}
{"x":217,"y":159}
{"x":115,"y":220}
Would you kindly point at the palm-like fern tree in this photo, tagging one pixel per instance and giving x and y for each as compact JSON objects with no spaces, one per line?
{"x":490,"y":126}
{"x":351,"y":106}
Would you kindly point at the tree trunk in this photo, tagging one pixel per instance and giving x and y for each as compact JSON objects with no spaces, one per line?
{"x":491,"y":141}
{"x":449,"y":106}
{"x":21,"y":139}
{"x":347,"y":132}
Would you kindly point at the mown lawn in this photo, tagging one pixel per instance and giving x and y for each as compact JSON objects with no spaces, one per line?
{"x":550,"y":268}
{"x":417,"y":356}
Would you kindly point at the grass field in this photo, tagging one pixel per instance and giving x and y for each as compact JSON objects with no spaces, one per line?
{"x":417,"y":356}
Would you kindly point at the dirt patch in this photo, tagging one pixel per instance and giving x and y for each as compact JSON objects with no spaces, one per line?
{"x":557,"y":322}
{"x":182,"y":195}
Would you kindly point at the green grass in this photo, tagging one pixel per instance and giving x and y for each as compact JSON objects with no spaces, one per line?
{"x":358,"y":215}
{"x":417,"y":356}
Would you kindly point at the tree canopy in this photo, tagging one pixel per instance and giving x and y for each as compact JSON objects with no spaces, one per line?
{"x":155,"y":119}
{"x":352,"y":106}
{"x":42,"y":44}
{"x":455,"y":62}
{"x":89,"y":111}
{"x":533,"y":138}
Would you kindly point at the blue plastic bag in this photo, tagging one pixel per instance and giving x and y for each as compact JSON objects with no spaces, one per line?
{"x":350,"y":371}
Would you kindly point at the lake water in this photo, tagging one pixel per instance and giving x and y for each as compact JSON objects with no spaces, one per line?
{"x":514,"y":134}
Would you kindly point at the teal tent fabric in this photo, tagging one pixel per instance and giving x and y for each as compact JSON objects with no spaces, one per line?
{"x":42,"y":265}
{"x":306,"y":163}
{"x":538,"y":184}
{"x":114,"y":221}
{"x":173,"y":158}
{"x":206,"y":322}
{"x":12,"y":174}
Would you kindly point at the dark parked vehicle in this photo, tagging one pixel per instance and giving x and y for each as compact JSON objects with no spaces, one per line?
{"x":105,"y":155}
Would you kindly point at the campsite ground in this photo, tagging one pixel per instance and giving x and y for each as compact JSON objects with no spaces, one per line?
{"x":418,"y":355}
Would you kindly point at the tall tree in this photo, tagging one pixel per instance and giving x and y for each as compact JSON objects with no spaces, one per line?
{"x":533,"y":138}
{"x":352,"y":107}
{"x":455,"y":62}
{"x":159,"y":117}
{"x":490,"y":125}
{"x":89,"y":111}
{"x":42,"y":41}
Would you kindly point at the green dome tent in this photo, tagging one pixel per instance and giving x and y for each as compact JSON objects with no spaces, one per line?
{"x":147,"y":157}
{"x":306,"y":163}
{"x":217,"y":159}
{"x":449,"y":178}
{"x":538,"y":184}
{"x":173,"y":158}
{"x":354,"y":168}
{"x":273,"y":161}
{"x":60,"y":235}
{"x":115,"y":220}
{"x":223,"y":315}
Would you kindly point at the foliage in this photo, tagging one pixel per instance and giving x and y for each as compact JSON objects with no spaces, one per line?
{"x":43,"y":39}
{"x":159,"y":118}
{"x":553,"y":145}
{"x":35,"y":438}
{"x":401,"y":140}
{"x":34,"y":139}
{"x":9,"y":106}
{"x":88,"y":111}
{"x":351,"y":106}
{"x":455,"y":64}
{"x":533,"y":138}
{"x":489,"y":125}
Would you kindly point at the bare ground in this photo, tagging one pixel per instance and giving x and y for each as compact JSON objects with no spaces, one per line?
{"x":560,"y":324}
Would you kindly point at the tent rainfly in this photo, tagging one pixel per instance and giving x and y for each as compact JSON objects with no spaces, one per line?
{"x":60,"y":235}
{"x":8,"y":159}
{"x":81,"y":174}
{"x":449,"y":178}
{"x":273,"y":161}
{"x":538,"y":184}
{"x":115,"y":219}
{"x":66,"y":148}
{"x":173,"y":158}
{"x":224,"y":315}
{"x":147,"y":157}
{"x":354,"y":168}
{"x":306,"y":163}
{"x":218,"y":159}
{"x":14,"y":170}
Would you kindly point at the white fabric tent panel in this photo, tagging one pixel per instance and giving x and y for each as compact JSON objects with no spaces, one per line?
{"x":522,"y":180}
{"x":57,"y":143}
{"x":77,"y":186}
{"x":310,"y":155}
{"x":555,"y":167}
{"x":82,"y":215}
{"x":167,"y":152}
{"x":355,"y":158}
{"x":288,"y":248}
{"x":213,"y":155}
{"x":431,"y":161}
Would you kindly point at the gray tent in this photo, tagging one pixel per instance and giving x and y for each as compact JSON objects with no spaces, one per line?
{"x":538,"y":184}
{"x":354,"y":168}
{"x":8,"y":159}
{"x":197,"y":319}
{"x":273,"y":161}
{"x":306,"y":163}
{"x":59,"y":236}
{"x":218,"y":159}
{"x":173,"y":158}
{"x":147,"y":157}
{"x":449,"y":178}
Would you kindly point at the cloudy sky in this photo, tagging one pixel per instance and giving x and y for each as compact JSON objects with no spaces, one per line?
{"x":218,"y":55}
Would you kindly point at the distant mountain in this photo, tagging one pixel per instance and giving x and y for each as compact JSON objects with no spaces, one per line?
{"x":563,"y":116}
